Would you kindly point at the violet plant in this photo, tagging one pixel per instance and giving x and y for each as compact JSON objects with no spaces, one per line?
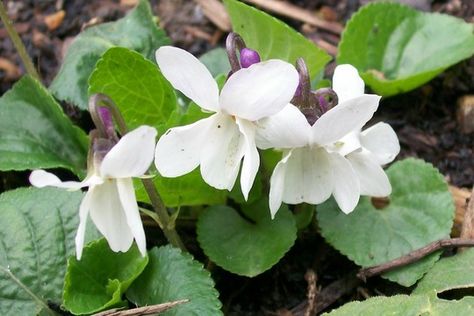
{"x":307,"y":155}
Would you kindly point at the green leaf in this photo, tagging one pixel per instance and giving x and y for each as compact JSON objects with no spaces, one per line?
{"x":135,"y":84}
{"x":449,"y":273}
{"x":187,"y":190}
{"x":216,"y":61}
{"x":254,"y":194}
{"x":397,"y":49}
{"x":173,"y":275}
{"x":35,"y":133}
{"x":36,"y":237}
{"x":421,"y":211}
{"x":190,"y":189}
{"x":98,"y":280}
{"x":272,"y":38}
{"x":405,"y":305}
{"x":137,"y":31}
{"x":246,"y":246}
{"x":395,"y":305}
{"x":464,"y":306}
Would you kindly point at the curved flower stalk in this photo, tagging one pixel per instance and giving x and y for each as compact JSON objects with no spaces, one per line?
{"x":219,"y":143}
{"x":327,"y":157}
{"x":110,"y":200}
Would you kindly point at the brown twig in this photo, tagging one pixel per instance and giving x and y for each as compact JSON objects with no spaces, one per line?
{"x":413,"y":256}
{"x":145,"y":310}
{"x":294,"y":12}
{"x":311,"y":278}
{"x":467,"y":230}
{"x":461,"y":198}
{"x":215,"y":11}
{"x":329,"y":294}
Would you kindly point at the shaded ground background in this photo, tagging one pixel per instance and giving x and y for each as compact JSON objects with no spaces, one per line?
{"x":425,"y":121}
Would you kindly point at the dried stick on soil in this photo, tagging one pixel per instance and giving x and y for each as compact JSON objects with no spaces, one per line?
{"x":311,"y":278}
{"x":214,"y":10}
{"x":467,"y":230}
{"x":461,"y":198}
{"x":329,"y":294}
{"x":413,"y":256}
{"x":294,"y":12}
{"x":145,"y":310}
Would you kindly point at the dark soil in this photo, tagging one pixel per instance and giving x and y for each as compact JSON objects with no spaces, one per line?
{"x":424,"y":119}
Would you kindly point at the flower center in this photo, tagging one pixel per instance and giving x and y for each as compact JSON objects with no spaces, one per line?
{"x":312,"y":104}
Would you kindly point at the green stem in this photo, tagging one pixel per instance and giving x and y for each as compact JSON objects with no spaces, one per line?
{"x":25,"y":58}
{"x":155,"y":199}
{"x":160,"y":209}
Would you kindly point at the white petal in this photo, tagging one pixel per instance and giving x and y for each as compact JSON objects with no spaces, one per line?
{"x":259,"y":91}
{"x":41,"y":178}
{"x":372,"y":178}
{"x":129,"y":204}
{"x":347,"y":83}
{"x":179,"y":150}
{"x":347,"y":144}
{"x":188,"y":75}
{"x":222,"y":152}
{"x":286,"y":129}
{"x":307,"y":176}
{"x":382,"y":141}
{"x":251,"y":157}
{"x":131,"y":156}
{"x":81,"y":230}
{"x":277,"y":184}
{"x":108,"y":215}
{"x":344,"y":118}
{"x":346,"y":183}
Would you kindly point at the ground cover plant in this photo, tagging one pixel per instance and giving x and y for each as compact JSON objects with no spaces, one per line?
{"x":271,"y":174}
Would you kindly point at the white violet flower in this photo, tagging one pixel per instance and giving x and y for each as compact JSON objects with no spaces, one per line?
{"x":218,"y":143}
{"x":110,"y":200}
{"x":314,"y":165}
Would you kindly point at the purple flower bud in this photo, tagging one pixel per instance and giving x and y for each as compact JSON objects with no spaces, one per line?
{"x":323,"y":104}
{"x":106,"y":118}
{"x":299,"y":90}
{"x":248,"y":57}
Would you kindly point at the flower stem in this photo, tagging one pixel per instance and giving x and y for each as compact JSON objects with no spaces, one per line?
{"x":160,"y":209}
{"x":158,"y":206}
{"x":25,"y":58}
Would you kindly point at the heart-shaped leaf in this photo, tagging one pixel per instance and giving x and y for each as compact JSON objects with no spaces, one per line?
{"x":173,"y":275}
{"x":449,"y":273}
{"x":98,"y":280}
{"x":35,"y":133}
{"x":413,"y":305}
{"x":420,"y":211}
{"x":272,"y":38}
{"x":394,"y":305}
{"x":246,"y":246}
{"x":37,"y":237}
{"x":137,"y":31}
{"x":136,"y":85}
{"x":397,"y":49}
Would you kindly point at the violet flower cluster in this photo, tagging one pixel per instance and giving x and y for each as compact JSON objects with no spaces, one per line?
{"x":262,"y":105}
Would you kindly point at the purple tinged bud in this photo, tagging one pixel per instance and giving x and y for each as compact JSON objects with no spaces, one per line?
{"x":323,"y":104}
{"x":248,"y":57}
{"x":106,"y":117}
{"x":299,"y":90}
